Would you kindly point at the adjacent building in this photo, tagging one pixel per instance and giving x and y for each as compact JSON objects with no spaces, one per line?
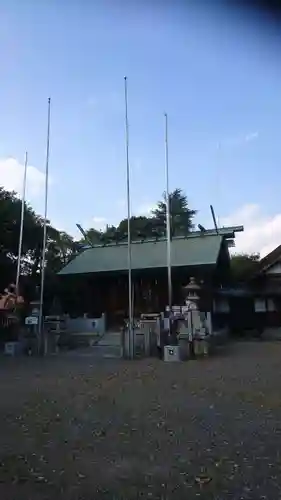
{"x":255,"y":303}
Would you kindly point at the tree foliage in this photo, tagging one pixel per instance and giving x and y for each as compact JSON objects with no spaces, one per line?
{"x":154,"y":225}
{"x":181,"y":216}
{"x":243,"y":265}
{"x":61,"y":247}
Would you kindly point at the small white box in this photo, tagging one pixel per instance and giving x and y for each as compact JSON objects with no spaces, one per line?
{"x":31,"y":320}
{"x":172,"y":353}
{"x":11,"y":348}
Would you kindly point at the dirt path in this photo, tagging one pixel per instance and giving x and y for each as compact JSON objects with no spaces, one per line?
{"x":87,"y":429}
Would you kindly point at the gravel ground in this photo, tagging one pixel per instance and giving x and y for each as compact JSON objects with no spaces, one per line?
{"x":101,"y":429}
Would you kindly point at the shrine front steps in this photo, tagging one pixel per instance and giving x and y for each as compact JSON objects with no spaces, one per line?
{"x":108,"y":346}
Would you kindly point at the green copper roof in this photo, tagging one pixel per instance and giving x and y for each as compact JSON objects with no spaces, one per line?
{"x":194,"y":250}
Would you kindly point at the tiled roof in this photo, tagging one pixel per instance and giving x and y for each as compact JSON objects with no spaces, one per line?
{"x":194,"y":250}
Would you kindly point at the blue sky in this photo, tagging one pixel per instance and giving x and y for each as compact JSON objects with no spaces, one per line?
{"x":217,"y":75}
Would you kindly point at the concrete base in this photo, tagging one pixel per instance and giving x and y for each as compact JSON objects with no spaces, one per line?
{"x":271,"y":334}
{"x":201,"y":348}
{"x":184,"y":346}
{"x":13,"y":348}
{"x":172,"y":353}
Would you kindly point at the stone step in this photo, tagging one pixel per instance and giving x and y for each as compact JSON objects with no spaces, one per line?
{"x":107,"y":351}
{"x":96,"y":352}
{"x":108,"y":346}
{"x":110,"y":339}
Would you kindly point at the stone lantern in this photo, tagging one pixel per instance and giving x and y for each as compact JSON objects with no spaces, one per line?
{"x":195,"y":326}
{"x":192,"y":294}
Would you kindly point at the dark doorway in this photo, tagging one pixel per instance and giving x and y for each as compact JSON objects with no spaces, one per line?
{"x":242,"y":314}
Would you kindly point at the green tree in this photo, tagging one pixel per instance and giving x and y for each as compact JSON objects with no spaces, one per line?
{"x":148,"y":227}
{"x":59,"y":249}
{"x":141,"y":227}
{"x":93,"y":235}
{"x":60,"y":246}
{"x":109,"y":235}
{"x":180,"y":213}
{"x":243,"y":265}
{"x":10,"y":215}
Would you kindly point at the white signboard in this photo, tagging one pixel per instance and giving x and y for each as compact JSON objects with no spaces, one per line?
{"x":31,"y":320}
{"x":260,"y":305}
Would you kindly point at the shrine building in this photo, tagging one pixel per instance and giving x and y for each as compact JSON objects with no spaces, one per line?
{"x":96,"y":280}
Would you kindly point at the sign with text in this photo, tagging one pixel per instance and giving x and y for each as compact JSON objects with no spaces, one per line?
{"x":31,"y":320}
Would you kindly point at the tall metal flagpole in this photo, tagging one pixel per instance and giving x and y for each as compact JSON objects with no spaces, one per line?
{"x":21,"y":224}
{"x":168,"y":217}
{"x":43,"y":260}
{"x":130,"y":326}
{"x":218,"y":179}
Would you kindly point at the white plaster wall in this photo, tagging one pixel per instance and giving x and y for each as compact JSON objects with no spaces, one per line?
{"x":276,"y":269}
{"x":260,"y":305}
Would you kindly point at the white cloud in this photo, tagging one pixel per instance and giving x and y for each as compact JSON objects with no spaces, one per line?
{"x":11,"y":177}
{"x":251,"y":137}
{"x":99,"y":223}
{"x":238,"y":141}
{"x":145,"y":209}
{"x":262,"y":233}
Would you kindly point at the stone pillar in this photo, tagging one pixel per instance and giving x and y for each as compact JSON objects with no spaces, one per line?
{"x":195,"y":328}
